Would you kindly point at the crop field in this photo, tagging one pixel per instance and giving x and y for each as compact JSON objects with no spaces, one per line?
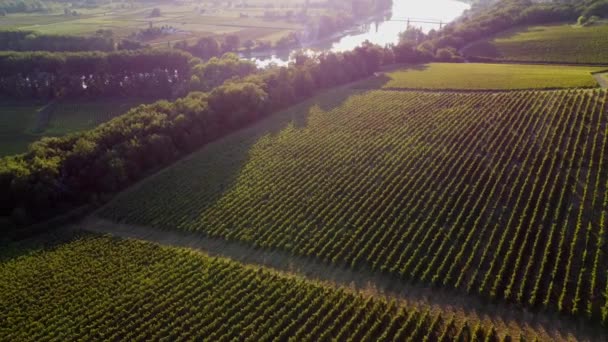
{"x":503,"y":195}
{"x":20,"y":124}
{"x":551,"y":43}
{"x":99,"y":288}
{"x":476,"y":76}
{"x":190,"y":21}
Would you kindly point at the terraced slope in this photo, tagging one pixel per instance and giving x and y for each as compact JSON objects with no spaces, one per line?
{"x":502,"y":195}
{"x":98,"y":288}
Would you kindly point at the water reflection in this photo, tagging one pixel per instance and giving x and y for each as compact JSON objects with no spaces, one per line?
{"x":427,"y":14}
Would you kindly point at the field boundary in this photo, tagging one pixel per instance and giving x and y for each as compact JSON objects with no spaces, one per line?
{"x":601,"y":77}
{"x":508,"y":317}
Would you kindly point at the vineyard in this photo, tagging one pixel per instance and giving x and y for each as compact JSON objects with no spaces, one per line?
{"x":476,"y":76}
{"x":99,"y":288}
{"x":501,"y":195}
{"x":564,"y":43}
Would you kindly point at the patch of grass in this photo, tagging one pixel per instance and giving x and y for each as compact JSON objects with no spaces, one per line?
{"x":18,"y":122}
{"x":17,"y":125}
{"x":548,"y":43}
{"x":75,"y":116}
{"x":475,"y":76}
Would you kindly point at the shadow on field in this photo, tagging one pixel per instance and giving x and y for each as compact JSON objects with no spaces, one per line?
{"x":191,"y":187}
{"x":379,"y":80}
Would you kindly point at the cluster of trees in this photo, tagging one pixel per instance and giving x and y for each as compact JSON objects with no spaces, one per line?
{"x":142,"y":73}
{"x":209,"y":47}
{"x":46,"y":75}
{"x":31,"y":41}
{"x":488,"y":20}
{"x":21,"y":6}
{"x":343,"y":15}
{"x":60,"y":173}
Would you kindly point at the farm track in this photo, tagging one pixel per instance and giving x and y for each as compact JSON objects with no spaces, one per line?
{"x":511,"y":318}
{"x":602,"y":79}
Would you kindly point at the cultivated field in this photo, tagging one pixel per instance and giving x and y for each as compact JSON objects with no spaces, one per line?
{"x":21,"y":124}
{"x":551,"y":43}
{"x":497,"y":194}
{"x":474,"y":76}
{"x":100,"y":288}
{"x":189,"y":20}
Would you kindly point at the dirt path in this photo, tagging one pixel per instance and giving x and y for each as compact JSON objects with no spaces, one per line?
{"x":516,"y":320}
{"x":602,"y":79}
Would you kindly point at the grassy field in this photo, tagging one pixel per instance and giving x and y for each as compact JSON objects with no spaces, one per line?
{"x":498,"y":194}
{"x":550,"y":43}
{"x":99,"y":288}
{"x":474,"y":76}
{"x":20,"y":124}
{"x":75,"y":116}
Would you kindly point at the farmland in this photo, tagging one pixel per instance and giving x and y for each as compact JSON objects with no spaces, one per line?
{"x":72,"y":292}
{"x":564,"y":43}
{"x":502,"y":195}
{"x":22,"y":124}
{"x":101,"y":288}
{"x":476,"y":76}
{"x":189,"y":20}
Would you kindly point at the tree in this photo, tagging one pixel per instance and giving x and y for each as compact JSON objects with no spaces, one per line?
{"x":231,"y":43}
{"x":155,"y":12}
{"x":248,"y":44}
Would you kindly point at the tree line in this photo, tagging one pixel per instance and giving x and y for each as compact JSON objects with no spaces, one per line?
{"x":60,"y":173}
{"x":147,"y":73}
{"x":17,"y":40}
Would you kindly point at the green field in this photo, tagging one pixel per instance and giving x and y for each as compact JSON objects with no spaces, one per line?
{"x":99,"y":288}
{"x":20,"y":124}
{"x":76,"y":116}
{"x":190,"y":20}
{"x":474,"y":76}
{"x":474,"y":191}
{"x":550,"y":43}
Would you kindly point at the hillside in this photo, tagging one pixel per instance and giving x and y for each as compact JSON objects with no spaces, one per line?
{"x":564,"y":43}
{"x":498,"y":194}
{"x":179,"y":171}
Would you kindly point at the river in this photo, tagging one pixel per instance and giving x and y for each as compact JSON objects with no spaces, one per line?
{"x":381,"y":31}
